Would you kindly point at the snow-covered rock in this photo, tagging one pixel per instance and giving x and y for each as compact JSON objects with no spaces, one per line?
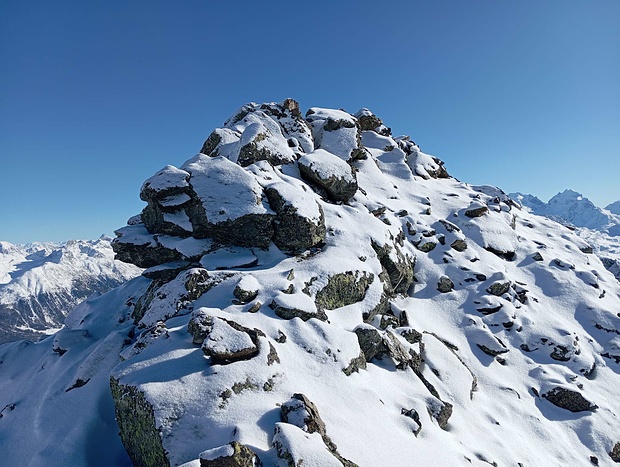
{"x":230,"y":351}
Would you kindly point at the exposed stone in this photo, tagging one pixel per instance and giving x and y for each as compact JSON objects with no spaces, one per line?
{"x":477,"y":211}
{"x":272,"y":356}
{"x":507,"y":255}
{"x":143,"y":251}
{"x":293,"y":232}
{"x":301,"y":412}
{"x":441,"y":411}
{"x":137,"y":426}
{"x":245,"y":293}
{"x":370,"y":341}
{"x":355,"y":365}
{"x":569,"y":400}
{"x":415,"y":416}
{"x":399,"y":272}
{"x":233,"y":454}
{"x":375,"y":345}
{"x":561,"y":353}
{"x":615,"y":453}
{"x":445,"y":284}
{"x":459,"y":245}
{"x":331,"y":173}
{"x":285,"y":312}
{"x":343,"y":289}
{"x":229,"y":342}
{"x":537,"y":256}
{"x":499,"y":288}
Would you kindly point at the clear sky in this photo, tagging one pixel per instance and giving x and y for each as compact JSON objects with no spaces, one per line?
{"x":97,"y":96}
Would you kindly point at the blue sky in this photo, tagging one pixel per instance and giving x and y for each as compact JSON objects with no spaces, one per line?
{"x":97,"y":96}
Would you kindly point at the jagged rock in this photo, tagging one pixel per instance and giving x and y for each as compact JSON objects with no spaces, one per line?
{"x":561,"y":353}
{"x":441,"y":411}
{"x":569,"y":400}
{"x":229,"y":342}
{"x":400,"y":272}
{"x":499,"y":288}
{"x":302,"y":413}
{"x":134,"y":245}
{"x":272,"y":356}
{"x":330,"y":173}
{"x":137,"y":427}
{"x":370,"y":122}
{"x":374,"y":344}
{"x":200,"y":325}
{"x":445,"y":284}
{"x":167,"y":271}
{"x":355,"y":365}
{"x":537,"y":257}
{"x":343,"y":289}
{"x":300,"y":222}
{"x":415,"y":416}
{"x":615,"y":453}
{"x":233,"y":454}
{"x":476,"y":211}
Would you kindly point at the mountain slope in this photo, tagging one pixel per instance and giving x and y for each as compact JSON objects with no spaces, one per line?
{"x":41,"y":283}
{"x":321,"y":293}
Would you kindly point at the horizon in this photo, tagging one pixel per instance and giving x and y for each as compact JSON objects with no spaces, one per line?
{"x":98,"y":97}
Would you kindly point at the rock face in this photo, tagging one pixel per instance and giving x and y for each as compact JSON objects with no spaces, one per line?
{"x":264,"y":283}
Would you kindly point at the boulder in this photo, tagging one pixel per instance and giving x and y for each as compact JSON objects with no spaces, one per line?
{"x":476,"y":210}
{"x":233,"y":454}
{"x":569,"y":400}
{"x":229,"y":342}
{"x":398,"y":270}
{"x":134,"y":244}
{"x":330,"y":173}
{"x":336,"y":131}
{"x":499,"y":288}
{"x":445,"y":284}
{"x":300,"y":222}
{"x":343,"y":289}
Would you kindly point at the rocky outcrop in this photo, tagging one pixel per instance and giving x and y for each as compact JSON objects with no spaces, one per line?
{"x":301,"y":412}
{"x":137,"y":426}
{"x":329,"y":173}
{"x":343,"y":289}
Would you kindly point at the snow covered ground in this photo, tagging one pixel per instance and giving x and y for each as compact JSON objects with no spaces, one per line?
{"x":426,"y":322}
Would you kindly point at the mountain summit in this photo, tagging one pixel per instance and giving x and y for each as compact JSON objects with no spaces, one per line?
{"x":319,"y":292}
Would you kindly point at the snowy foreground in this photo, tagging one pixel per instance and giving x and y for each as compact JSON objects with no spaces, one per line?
{"x":319,"y":292}
{"x":41,"y":282}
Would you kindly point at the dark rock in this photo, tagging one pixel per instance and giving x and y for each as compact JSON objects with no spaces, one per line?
{"x":137,"y":426}
{"x":331,"y":173}
{"x":199,"y":326}
{"x":343,"y":289}
{"x":490,"y":310}
{"x":459,"y":245}
{"x":244,"y":296}
{"x":415,"y":416}
{"x":286,"y":312}
{"x":371,"y":342}
{"x":301,"y":412}
{"x":233,"y":454}
{"x":355,"y":365}
{"x":561,"y":353}
{"x":292,"y":232}
{"x":399,"y":272}
{"x":477,"y":211}
{"x":499,"y":288}
{"x":134,"y":245}
{"x":569,"y":400}
{"x":272,"y":356}
{"x":441,"y":411}
{"x":507,"y":255}
{"x":249,"y":230}
{"x":167,"y":271}
{"x":615,"y":453}
{"x":537,"y":257}
{"x":445,"y":285}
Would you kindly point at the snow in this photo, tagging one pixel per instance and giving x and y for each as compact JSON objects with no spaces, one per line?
{"x":226,"y":190}
{"x":556,"y":325}
{"x":167,"y":178}
{"x":327,"y":165}
{"x":216,"y":453}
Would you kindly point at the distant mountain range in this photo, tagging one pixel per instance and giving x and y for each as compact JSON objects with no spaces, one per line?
{"x":600,"y":227}
{"x":41,"y":282}
{"x":573,"y":209}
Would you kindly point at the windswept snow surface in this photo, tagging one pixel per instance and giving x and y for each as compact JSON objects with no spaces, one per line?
{"x":41,"y":282}
{"x":529,"y":310}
